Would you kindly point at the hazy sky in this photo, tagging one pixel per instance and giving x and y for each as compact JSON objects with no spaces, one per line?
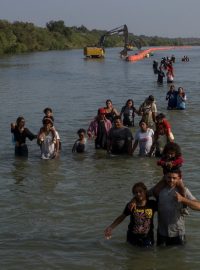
{"x":169,"y":18}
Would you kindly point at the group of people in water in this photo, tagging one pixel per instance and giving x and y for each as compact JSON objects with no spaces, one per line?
{"x":176,"y":98}
{"x":166,"y":65}
{"x":185,"y":58}
{"x":112,"y":132}
{"x":48,"y":138}
{"x":171,"y":197}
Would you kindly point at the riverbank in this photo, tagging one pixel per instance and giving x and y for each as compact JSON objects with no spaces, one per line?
{"x":21,"y":37}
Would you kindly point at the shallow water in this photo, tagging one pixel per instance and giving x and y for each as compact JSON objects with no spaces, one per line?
{"x":53,"y":213}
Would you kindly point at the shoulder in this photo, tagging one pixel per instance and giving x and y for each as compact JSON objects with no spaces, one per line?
{"x":166,"y":123}
{"x":127,"y":210}
{"x":107,"y":121}
{"x":137,"y":133}
{"x":152,"y":203}
{"x":189,"y":195}
{"x":150,"y":131}
{"x":26,"y":130}
{"x":127,"y":130}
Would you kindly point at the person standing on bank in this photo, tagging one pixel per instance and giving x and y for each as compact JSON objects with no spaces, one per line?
{"x":99,"y":129}
{"x":20,"y":133}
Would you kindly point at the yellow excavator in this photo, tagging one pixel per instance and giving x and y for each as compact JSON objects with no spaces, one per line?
{"x":99,"y":51}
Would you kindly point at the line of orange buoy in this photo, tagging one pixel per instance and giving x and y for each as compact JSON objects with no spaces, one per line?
{"x":142,"y":54}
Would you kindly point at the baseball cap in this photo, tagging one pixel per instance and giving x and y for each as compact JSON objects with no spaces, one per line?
{"x":101,"y":111}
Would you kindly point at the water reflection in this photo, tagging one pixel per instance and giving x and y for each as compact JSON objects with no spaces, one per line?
{"x":49,"y":174}
{"x":20,"y":170}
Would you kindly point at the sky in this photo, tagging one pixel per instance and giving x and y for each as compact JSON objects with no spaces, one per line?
{"x":164,"y":18}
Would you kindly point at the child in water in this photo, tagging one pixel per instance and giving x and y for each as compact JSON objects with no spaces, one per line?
{"x":170,"y":161}
{"x":48,"y":113}
{"x":140,"y":229}
{"x":80,"y":143}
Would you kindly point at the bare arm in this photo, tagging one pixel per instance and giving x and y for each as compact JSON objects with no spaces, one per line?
{"x":115,"y":112}
{"x":155,"y":139}
{"x":116,"y":222}
{"x":135,"y":146}
{"x":193,"y":204}
{"x":130,"y":147}
{"x":154,"y":116}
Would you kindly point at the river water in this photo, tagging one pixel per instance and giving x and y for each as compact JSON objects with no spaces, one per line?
{"x":53,"y":213}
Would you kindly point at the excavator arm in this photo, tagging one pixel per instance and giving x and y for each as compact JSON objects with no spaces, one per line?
{"x":117,"y":30}
{"x":99,"y":51}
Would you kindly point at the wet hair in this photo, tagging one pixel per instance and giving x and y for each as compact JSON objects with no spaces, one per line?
{"x":160,"y":116}
{"x":173,"y":147}
{"x":108,"y":100}
{"x":47,"y":120}
{"x":19,"y":119}
{"x":177,"y":171}
{"x":172,"y":86}
{"x":139,"y":185}
{"x":117,"y":117}
{"x":81,"y":130}
{"x":129,"y":101}
{"x":47,"y":109}
{"x":180,"y":88}
{"x":151,"y":98}
{"x":142,"y":121}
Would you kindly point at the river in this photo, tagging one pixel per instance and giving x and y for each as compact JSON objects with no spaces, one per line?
{"x":53,"y":213}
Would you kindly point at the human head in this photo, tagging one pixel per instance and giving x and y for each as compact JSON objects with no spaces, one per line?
{"x":48,"y":111}
{"x":47,"y":122}
{"x":150,"y":99}
{"x":118,"y":121}
{"x":180,"y":90}
{"x":108,"y":102}
{"x":172,"y":149}
{"x":20,"y":121}
{"x":101,"y":113}
{"x":81,"y":132}
{"x":172,"y":87}
{"x":143,"y":125}
{"x":129,"y":103}
{"x":160,"y":117}
{"x":139,"y":190}
{"x":172,"y":177}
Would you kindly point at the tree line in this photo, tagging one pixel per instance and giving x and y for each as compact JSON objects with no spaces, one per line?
{"x":20,"y":37}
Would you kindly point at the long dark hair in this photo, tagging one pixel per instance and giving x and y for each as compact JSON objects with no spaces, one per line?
{"x":19,"y":119}
{"x":140,"y":185}
{"x":129,"y":101}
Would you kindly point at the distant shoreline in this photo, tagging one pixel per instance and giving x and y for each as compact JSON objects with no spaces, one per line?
{"x":22,"y":37}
